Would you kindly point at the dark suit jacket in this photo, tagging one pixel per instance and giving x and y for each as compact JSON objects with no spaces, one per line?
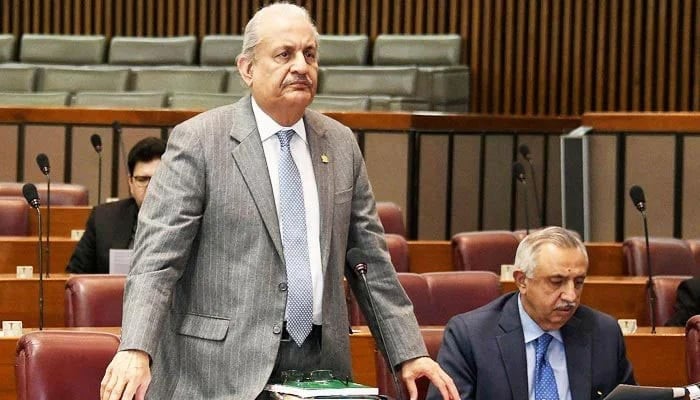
{"x":687,"y":302}
{"x":484,"y":352}
{"x":109,"y":226}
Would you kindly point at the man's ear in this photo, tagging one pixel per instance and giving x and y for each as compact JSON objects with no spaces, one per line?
{"x":519,"y":277}
{"x":245,"y":68}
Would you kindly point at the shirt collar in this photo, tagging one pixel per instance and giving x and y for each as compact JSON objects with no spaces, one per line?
{"x":267,"y":127}
{"x":531,"y":330}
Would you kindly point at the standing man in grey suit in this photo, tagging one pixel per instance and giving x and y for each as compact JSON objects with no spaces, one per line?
{"x":241,"y":246}
{"x":538,"y":343}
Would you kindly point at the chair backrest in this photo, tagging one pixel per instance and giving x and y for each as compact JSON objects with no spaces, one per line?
{"x":343,"y":49}
{"x":391,"y":217}
{"x":666,"y":287}
{"x":205,"y":101}
{"x":456,"y":292}
{"x":364,"y":80}
{"x":398,"y":249}
{"x":17,"y":78}
{"x":220,"y":50}
{"x":7,"y":47}
{"x":14,"y":214}
{"x":669,"y":256}
{"x":234,"y":83}
{"x":417,"y":290}
{"x":62,"y":194}
{"x":120,"y":99}
{"x":692,"y":348}
{"x":131,"y":50}
{"x":94,"y":300}
{"x":53,"y":99}
{"x":179,"y":79}
{"x":483,"y":250}
{"x":433,"y":340}
{"x":417,"y":49}
{"x":340,"y":103}
{"x":695,"y":248}
{"x":79,"y":79}
{"x":62,"y":364}
{"x":62,"y":49}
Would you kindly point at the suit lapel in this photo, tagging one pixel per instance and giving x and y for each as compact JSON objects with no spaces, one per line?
{"x":322,"y":160}
{"x":577,"y":344}
{"x":514,"y":362}
{"x":250,"y":159}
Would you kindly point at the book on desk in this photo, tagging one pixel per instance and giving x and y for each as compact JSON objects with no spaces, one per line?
{"x":330,"y":389}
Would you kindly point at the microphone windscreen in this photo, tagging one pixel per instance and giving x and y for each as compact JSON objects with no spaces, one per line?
{"x":355,"y":256}
{"x":96,"y":141}
{"x":637,"y":196}
{"x":524,"y":151}
{"x":42,"y":161}
{"x":519,"y":172}
{"x":30,"y":194}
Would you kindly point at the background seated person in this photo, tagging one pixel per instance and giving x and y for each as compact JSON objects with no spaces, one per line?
{"x":112,"y":225}
{"x":539,"y":342}
{"x":687,"y":302}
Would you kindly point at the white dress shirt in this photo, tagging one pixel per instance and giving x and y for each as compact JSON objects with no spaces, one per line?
{"x":268,"y":128}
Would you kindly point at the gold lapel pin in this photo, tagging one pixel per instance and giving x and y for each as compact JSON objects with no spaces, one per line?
{"x":324,"y":158}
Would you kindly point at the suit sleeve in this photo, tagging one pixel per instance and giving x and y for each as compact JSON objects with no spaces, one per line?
{"x":624,"y":367}
{"x":169,"y":221}
{"x":394,"y":309}
{"x":687,"y":302}
{"x":84,"y":258}
{"x":457,"y":360}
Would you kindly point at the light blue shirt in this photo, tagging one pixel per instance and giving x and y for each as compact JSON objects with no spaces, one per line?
{"x":556,"y":355}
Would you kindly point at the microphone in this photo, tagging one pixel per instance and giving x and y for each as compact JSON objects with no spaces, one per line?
{"x":42,"y":160}
{"x":640,"y":203}
{"x":525,"y":152}
{"x":30,"y":193}
{"x":355,"y":258}
{"x":96,"y":141}
{"x":519,"y":174}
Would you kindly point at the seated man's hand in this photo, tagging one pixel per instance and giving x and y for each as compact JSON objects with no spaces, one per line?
{"x":424,"y":366}
{"x":127,"y":376}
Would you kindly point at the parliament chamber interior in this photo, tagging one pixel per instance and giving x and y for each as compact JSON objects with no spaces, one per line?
{"x":443,"y":96}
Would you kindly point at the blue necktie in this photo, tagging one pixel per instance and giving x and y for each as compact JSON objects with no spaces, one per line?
{"x":545,"y":384}
{"x":294,"y":242}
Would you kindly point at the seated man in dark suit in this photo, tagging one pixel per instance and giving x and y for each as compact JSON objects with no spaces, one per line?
{"x":687,"y":302}
{"x":112,"y":225}
{"x":537,"y":343}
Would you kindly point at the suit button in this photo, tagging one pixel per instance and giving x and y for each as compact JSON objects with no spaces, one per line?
{"x":276,"y":330}
{"x":282,"y":286}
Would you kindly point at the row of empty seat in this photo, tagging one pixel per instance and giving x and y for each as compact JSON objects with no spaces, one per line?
{"x":401,"y":77}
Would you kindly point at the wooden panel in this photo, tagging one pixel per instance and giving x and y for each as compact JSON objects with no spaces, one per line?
{"x":429,"y":256}
{"x":22,"y":250}
{"x":63,"y":220}
{"x":19,"y":300}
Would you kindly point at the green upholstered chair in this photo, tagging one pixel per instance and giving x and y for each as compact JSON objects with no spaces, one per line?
{"x":62,"y":49}
{"x":179,"y":50}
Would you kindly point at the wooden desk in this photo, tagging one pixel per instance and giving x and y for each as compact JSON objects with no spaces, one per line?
{"x":605,"y":259}
{"x":19,"y":300}
{"x":63,"y":219}
{"x":22,"y":250}
{"x":619,"y":296}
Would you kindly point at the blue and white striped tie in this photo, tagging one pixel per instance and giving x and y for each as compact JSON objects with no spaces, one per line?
{"x":296,"y":249}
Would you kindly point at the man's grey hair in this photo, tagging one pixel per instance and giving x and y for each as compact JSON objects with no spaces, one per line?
{"x":529,"y":249}
{"x":251,"y":35}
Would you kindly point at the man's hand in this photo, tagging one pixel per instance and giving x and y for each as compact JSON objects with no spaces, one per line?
{"x":424,"y":366}
{"x":128,"y":375}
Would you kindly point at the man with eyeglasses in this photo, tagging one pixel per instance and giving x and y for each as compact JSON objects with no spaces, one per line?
{"x":112,"y":225}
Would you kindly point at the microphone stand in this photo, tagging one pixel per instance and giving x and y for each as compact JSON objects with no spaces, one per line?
{"x":99,"y":178}
{"x":361,"y":270}
{"x":48,"y":226}
{"x":41,"y":273}
{"x":534,"y":188}
{"x":651,"y":291}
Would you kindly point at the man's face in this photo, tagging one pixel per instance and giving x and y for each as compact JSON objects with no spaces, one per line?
{"x":553,"y":294}
{"x":138,"y":182}
{"x":283,"y":75}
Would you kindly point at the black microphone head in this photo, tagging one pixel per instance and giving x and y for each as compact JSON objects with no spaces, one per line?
{"x":637,"y":196}
{"x":30,"y":193}
{"x":42,"y":161}
{"x":519,"y":172}
{"x":524,"y":151}
{"x":356,"y":259}
{"x":96,"y":141}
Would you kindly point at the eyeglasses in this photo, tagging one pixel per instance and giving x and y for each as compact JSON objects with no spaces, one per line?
{"x":141,"y":181}
{"x":319,"y":375}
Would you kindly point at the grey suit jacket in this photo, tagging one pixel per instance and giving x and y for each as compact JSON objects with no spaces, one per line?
{"x":205,"y":295}
{"x":484,"y":352}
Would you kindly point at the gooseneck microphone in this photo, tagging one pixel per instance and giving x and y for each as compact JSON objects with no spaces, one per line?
{"x":525,"y":152}
{"x":96,"y":141}
{"x":640,"y":203}
{"x":30,"y":193}
{"x":42,"y":160}
{"x":355,"y":258}
{"x":519,"y":175}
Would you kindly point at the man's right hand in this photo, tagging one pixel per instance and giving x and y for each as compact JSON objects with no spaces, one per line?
{"x":127,"y":376}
